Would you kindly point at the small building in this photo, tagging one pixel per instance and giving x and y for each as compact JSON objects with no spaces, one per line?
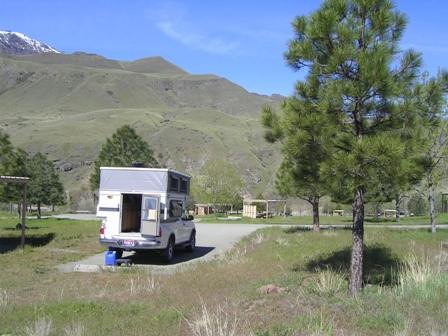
{"x":338,"y":212}
{"x":203,"y":209}
{"x":251,"y":210}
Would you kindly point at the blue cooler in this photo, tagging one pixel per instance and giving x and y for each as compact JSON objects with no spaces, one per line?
{"x":110,"y":258}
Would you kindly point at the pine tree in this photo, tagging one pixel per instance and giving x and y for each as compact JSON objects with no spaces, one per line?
{"x":44,"y":186}
{"x":305,"y":142}
{"x":13,"y":162}
{"x":121,"y":150}
{"x":351,"y":47}
{"x":430,"y":99}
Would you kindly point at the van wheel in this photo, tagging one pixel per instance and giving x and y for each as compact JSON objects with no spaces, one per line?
{"x":192,"y":242}
{"x":168,"y":253}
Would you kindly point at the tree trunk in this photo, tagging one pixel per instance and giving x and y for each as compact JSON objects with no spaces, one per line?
{"x":356,"y":263}
{"x":376,"y":214}
{"x":19,"y":209}
{"x":316,"y":220}
{"x":432,"y":215}
{"x":38,"y":210}
{"x":397,"y":208}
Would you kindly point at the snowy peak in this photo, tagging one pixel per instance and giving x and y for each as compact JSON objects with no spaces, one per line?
{"x":19,"y":44}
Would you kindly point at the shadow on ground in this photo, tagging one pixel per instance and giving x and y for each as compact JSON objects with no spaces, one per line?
{"x":8,"y":244}
{"x":180,"y":256}
{"x":17,"y":228}
{"x":380,"y":265}
{"x":299,"y":228}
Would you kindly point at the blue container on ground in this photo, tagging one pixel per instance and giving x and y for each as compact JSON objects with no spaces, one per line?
{"x":110,"y":258}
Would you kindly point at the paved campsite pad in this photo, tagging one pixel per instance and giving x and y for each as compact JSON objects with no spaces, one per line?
{"x":212,"y":240}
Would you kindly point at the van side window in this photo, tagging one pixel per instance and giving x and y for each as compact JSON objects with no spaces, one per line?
{"x":184,"y":186}
{"x":174,"y":183}
{"x":175,"y":210}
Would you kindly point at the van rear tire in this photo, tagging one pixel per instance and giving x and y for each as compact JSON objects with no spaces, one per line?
{"x":168,"y":252}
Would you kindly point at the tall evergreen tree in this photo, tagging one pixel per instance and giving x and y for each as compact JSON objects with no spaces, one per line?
{"x":44,"y":186}
{"x":121,"y":150}
{"x":351,"y":47}
{"x":430,"y":99}
{"x":7,"y":159}
{"x":12,"y":162}
{"x":305,"y":142}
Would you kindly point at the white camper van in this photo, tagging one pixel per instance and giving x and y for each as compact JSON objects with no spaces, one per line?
{"x":145,"y":209}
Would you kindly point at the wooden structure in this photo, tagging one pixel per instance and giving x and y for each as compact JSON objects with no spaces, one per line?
{"x":390,"y":213}
{"x":23,"y":181}
{"x":250,"y":208}
{"x":445,"y":202}
{"x":338,"y":213}
{"x":203,"y":209}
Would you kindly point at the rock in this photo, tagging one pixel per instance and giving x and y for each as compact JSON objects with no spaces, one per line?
{"x":270,"y":289}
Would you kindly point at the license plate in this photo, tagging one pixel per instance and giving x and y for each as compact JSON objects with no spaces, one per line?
{"x":128,"y":242}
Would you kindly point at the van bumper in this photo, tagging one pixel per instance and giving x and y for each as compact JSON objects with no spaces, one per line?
{"x":146,"y":244}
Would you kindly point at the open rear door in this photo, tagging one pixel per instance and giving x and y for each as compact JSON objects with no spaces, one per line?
{"x":150,"y":219}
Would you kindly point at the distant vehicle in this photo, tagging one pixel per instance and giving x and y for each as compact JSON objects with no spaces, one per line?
{"x":145,"y":209}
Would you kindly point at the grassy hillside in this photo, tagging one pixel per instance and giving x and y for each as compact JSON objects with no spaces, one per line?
{"x":66,"y":106}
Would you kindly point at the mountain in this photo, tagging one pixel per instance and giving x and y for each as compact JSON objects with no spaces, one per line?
{"x":67,"y":105}
{"x":15,"y":43}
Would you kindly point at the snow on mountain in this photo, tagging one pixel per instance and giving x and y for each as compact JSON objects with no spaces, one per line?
{"x":19,"y":44}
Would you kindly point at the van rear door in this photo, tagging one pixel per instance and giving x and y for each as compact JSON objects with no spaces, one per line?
{"x":150,"y":219}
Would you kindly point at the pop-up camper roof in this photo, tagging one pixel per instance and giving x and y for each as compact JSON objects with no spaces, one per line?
{"x":153,"y":180}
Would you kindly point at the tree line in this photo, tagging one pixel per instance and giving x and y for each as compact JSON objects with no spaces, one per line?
{"x":44,"y":186}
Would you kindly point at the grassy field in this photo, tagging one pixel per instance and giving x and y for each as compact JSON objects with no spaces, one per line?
{"x":406,"y":286}
{"x":324,"y":220}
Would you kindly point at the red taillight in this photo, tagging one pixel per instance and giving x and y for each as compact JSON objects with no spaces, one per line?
{"x":102,"y":227}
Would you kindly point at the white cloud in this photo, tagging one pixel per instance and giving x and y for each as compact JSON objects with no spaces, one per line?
{"x":195,"y":40}
{"x":172,"y":20}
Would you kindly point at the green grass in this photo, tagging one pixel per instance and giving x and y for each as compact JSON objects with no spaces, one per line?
{"x":324,"y":220}
{"x":311,"y":268}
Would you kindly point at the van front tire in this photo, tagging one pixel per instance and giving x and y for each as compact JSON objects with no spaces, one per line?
{"x":168,"y":253}
{"x":192,"y":242}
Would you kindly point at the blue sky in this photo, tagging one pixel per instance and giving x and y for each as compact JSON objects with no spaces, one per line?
{"x":243,"y":41}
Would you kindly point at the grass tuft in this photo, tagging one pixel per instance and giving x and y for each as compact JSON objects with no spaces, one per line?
{"x":74,"y":329}
{"x":142,"y":285}
{"x":258,"y":239}
{"x":221,"y":321}
{"x":328,"y":282}
{"x":41,"y":327}
{"x":416,"y":272}
{"x":3,"y":298}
